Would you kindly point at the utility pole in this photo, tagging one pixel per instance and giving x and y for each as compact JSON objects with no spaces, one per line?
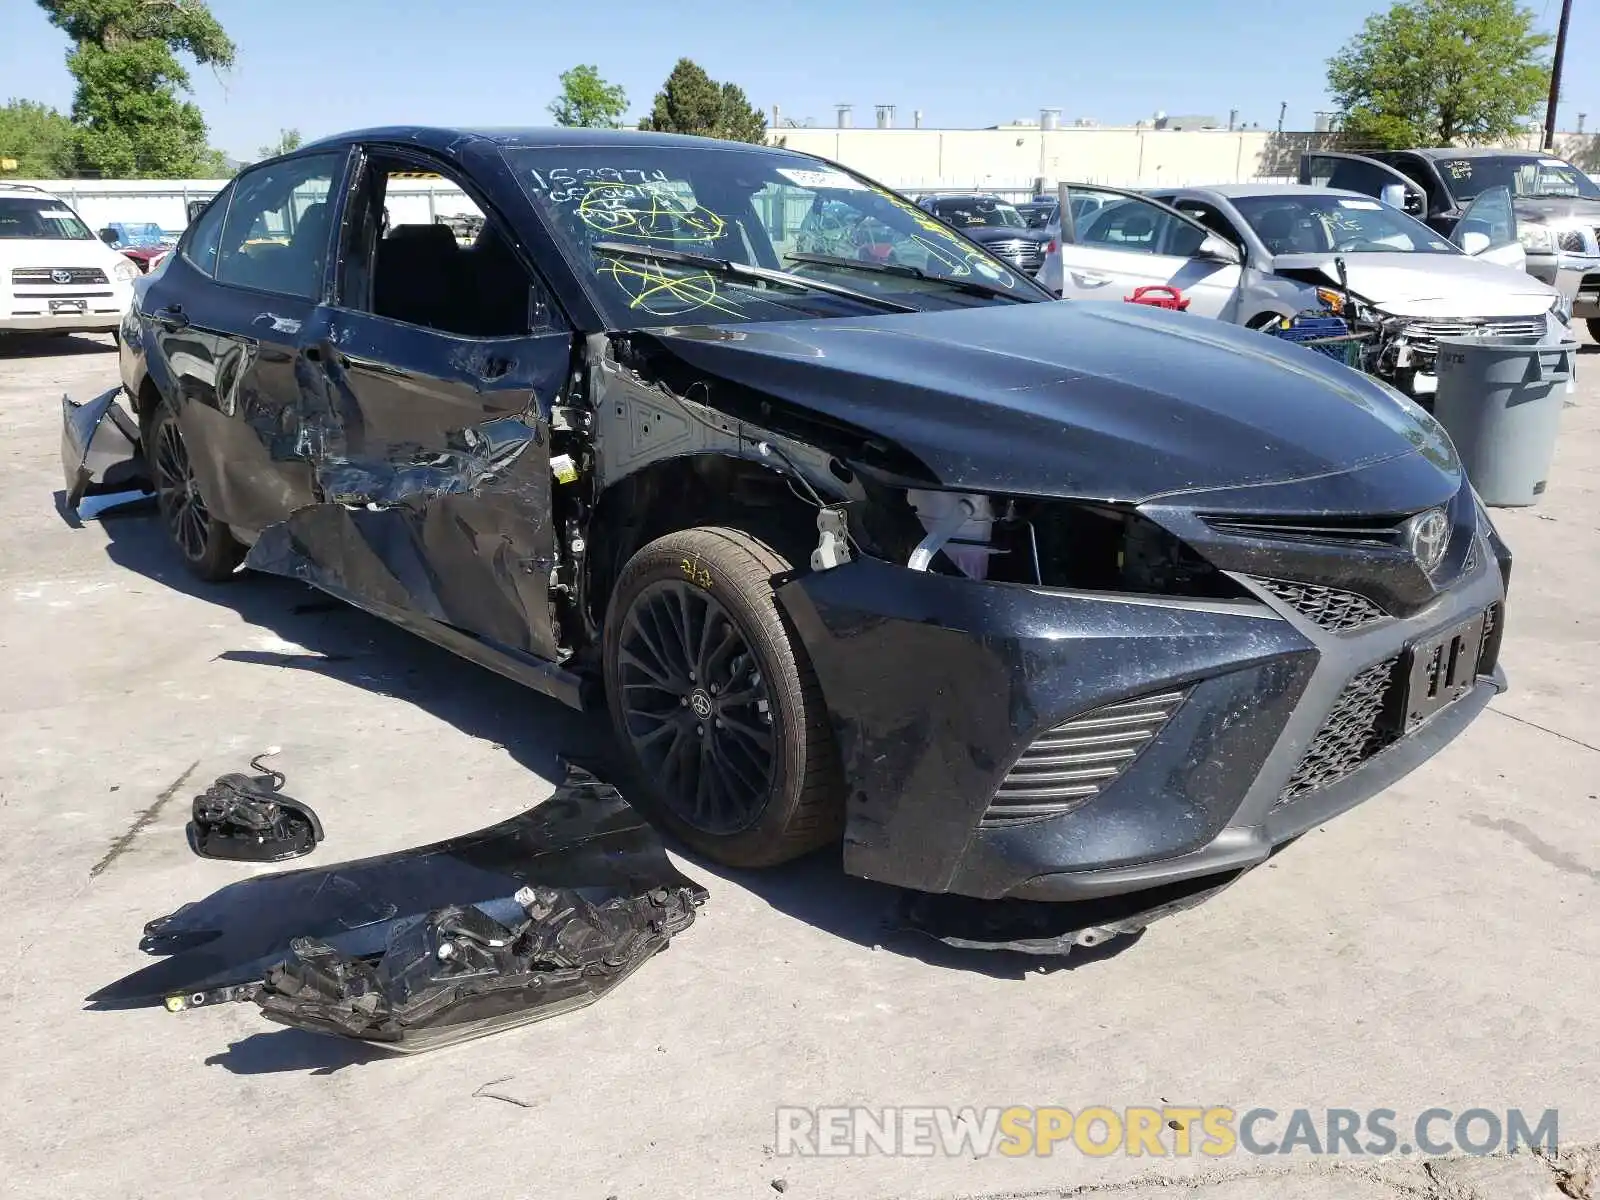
{"x":1555,"y":75}
{"x":1283,"y":108}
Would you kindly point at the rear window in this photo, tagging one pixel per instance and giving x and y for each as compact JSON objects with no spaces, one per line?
{"x":36,"y":218}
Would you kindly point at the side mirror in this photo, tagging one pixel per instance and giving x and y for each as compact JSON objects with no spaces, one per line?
{"x":1394,"y":195}
{"x":1475,"y":241}
{"x":109,"y":237}
{"x":1217,"y":249}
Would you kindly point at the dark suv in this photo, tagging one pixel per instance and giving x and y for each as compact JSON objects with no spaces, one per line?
{"x":855,"y":532}
{"x":993,"y":224}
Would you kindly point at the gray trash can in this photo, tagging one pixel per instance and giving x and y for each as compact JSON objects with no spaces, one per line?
{"x":1500,"y":400}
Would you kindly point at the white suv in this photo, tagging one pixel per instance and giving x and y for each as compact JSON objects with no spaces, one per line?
{"x":55,"y":275}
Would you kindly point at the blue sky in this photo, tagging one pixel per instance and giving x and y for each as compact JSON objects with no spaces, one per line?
{"x":326,"y":65}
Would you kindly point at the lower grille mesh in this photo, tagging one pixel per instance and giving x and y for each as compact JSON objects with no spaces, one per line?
{"x":1073,"y":762}
{"x":1351,"y":735}
{"x":1328,"y":607}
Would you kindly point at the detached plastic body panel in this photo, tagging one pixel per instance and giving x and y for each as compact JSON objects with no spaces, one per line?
{"x":311,"y":931}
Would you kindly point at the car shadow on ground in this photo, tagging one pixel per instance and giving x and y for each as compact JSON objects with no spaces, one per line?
{"x":330,"y":638}
{"x":39,"y":345}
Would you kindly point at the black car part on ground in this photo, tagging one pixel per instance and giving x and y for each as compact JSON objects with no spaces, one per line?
{"x":1051,"y":929}
{"x":460,"y":974}
{"x":245,"y":819}
{"x":101,"y":456}
{"x":585,"y":840}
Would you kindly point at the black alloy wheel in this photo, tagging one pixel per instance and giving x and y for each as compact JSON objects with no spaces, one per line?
{"x":208,"y":547}
{"x":715,"y":701}
{"x":697,"y":710}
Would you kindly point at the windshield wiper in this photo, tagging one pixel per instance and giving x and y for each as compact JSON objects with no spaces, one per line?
{"x":974,"y":286}
{"x":736,"y":270}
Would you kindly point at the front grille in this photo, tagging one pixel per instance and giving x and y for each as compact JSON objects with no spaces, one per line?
{"x":74,"y":275}
{"x":1351,"y":735}
{"x":1571,"y":240}
{"x":1424,"y":335}
{"x":1330,"y":608}
{"x":1076,"y":760}
{"x":1020,"y":253}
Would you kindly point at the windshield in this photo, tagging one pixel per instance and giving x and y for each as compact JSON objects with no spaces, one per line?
{"x":1345,"y":224}
{"x":1524,"y":175}
{"x":977,"y":212}
{"x":756,"y":208}
{"x":40,"y":218}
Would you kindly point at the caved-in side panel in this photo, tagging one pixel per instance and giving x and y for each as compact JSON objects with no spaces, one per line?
{"x":432,"y":467}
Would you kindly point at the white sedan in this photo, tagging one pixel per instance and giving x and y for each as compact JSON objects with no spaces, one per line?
{"x":1254,"y":254}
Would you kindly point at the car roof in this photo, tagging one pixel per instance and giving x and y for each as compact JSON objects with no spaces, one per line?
{"x":22,"y":187}
{"x":1481,"y":152}
{"x":451,"y":140}
{"x":1237,"y":191}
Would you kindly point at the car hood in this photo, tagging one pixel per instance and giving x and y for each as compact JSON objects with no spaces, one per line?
{"x":1074,"y":399}
{"x":58,"y":252}
{"x":1432,"y":285}
{"x":1546,"y":210}
{"x":987,"y":234}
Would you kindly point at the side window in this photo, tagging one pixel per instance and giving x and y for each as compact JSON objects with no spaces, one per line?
{"x":275,"y":237}
{"x":1210,"y":218}
{"x":1122,"y":223}
{"x":1414,"y":169}
{"x":203,"y":237}
{"x":418,"y":249}
{"x":1489,"y":222}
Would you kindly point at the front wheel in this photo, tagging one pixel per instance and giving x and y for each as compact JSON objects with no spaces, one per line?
{"x":208,"y":547}
{"x":1594,"y":327}
{"x":714,"y":699}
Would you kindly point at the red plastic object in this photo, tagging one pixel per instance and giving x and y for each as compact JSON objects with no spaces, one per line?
{"x":1159,"y":296}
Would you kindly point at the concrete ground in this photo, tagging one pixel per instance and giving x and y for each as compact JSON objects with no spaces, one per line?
{"x":1436,"y":947}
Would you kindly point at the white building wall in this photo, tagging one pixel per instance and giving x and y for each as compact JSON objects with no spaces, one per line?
{"x":1002,"y":160}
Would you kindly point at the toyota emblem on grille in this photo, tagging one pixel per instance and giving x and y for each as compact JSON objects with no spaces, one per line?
{"x":1429,"y":535}
{"x":61,"y":276}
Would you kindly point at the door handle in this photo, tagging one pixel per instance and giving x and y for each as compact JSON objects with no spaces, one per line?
{"x":1090,"y":278}
{"x":173,"y":317}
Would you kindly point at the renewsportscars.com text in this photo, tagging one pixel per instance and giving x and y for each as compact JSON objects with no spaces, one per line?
{"x":1157,"y":1132}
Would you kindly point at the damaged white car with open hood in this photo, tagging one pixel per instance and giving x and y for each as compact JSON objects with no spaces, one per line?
{"x":1256,"y":254}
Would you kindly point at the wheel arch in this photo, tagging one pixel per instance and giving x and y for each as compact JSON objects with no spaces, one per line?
{"x":684,"y":492}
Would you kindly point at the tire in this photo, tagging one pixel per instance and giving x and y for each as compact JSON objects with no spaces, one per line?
{"x":207,"y":547}
{"x":684,"y":733}
{"x":1594,"y":327}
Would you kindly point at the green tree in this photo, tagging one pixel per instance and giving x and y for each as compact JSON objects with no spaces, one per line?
{"x":588,"y":101}
{"x":1434,"y":72}
{"x":288,"y":139}
{"x":692,"y":102}
{"x":131,"y":121}
{"x":38,"y":139}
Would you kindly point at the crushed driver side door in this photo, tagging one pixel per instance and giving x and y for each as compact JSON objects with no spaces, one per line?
{"x":427,"y":419}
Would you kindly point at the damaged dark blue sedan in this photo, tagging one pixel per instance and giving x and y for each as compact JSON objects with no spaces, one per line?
{"x":857,"y":532}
